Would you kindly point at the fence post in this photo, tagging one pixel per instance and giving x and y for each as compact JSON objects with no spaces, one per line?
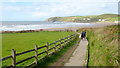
{"x":13,"y":58}
{"x":36,"y":54}
{"x":60,"y":43}
{"x":55,"y":46}
{"x":63,"y":42}
{"x":69,"y":38}
{"x":47,"y":48}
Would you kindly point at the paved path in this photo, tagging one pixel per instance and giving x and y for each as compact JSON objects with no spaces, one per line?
{"x":78,"y":57}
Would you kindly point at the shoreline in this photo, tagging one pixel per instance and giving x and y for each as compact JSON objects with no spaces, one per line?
{"x":73,"y":28}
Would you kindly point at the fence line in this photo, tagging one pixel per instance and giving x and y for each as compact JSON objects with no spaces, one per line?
{"x":62,"y":43}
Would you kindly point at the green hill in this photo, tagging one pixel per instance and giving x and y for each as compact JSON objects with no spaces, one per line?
{"x":86,"y":19}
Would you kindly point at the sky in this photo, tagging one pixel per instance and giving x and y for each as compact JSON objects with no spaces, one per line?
{"x":41,"y":10}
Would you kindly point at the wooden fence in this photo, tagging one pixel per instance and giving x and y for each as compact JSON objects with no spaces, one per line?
{"x":62,"y":42}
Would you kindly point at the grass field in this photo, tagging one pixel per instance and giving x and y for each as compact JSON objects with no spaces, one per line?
{"x":25,"y":41}
{"x":103,"y":46}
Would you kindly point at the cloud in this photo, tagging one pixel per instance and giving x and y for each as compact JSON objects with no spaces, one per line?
{"x":44,"y":10}
{"x":60,"y":0}
{"x":13,"y":0}
{"x":39,"y":14}
{"x":13,"y":8}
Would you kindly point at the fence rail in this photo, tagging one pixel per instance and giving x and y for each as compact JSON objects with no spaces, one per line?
{"x":57,"y":43}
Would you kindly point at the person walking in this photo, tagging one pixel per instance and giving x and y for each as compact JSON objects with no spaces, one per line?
{"x":83,"y":35}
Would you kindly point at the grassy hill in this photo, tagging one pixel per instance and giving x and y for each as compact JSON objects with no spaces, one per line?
{"x":86,"y":19}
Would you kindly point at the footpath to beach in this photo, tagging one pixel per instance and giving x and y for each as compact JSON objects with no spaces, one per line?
{"x":78,"y":57}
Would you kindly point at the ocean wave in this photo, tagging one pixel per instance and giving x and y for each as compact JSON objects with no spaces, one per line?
{"x":40,"y":26}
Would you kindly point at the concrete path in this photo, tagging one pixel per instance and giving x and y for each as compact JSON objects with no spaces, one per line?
{"x":78,"y":57}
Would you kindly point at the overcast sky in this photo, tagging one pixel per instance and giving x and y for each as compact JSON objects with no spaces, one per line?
{"x":40,"y":10}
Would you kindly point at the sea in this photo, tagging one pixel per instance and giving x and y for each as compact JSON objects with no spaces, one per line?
{"x":33,"y":25}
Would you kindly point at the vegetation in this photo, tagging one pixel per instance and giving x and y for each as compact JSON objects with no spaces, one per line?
{"x":53,"y":58}
{"x":92,"y":18}
{"x":103,"y":46}
{"x":25,"y":41}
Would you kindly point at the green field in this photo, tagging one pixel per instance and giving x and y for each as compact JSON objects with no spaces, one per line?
{"x":103,"y":46}
{"x":26,"y":41}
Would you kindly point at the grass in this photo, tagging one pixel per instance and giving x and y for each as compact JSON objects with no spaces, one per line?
{"x":25,"y":41}
{"x":103,"y":46}
{"x":53,"y":58}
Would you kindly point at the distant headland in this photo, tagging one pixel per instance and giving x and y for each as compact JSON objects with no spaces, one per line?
{"x":87,"y":19}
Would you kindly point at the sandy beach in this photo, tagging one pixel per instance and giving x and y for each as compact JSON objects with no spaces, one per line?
{"x":74,"y":28}
{"x":77,"y":27}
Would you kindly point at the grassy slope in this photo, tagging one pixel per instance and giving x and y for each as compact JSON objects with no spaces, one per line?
{"x":94,"y":18}
{"x":103,"y":44}
{"x":25,"y":41}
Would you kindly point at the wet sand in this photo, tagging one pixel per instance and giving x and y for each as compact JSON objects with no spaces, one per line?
{"x":94,"y":25}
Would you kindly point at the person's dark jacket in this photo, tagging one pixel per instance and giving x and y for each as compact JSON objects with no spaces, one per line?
{"x":83,"y":35}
